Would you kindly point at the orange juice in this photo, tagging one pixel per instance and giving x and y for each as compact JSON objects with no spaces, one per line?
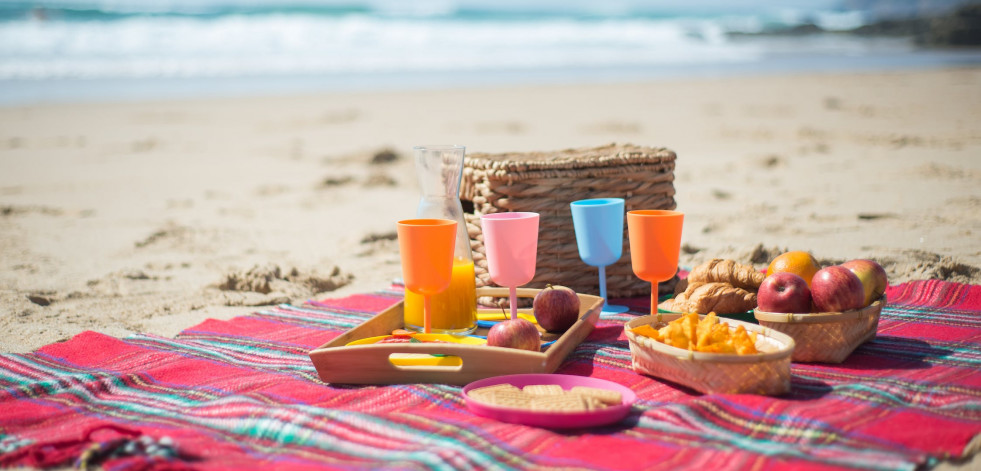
{"x":453,"y":310}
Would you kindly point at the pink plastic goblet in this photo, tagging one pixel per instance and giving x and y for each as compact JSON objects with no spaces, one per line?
{"x":511,"y":247}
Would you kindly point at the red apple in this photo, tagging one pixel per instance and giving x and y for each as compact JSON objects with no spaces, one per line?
{"x":784,"y":292}
{"x":837,"y":289}
{"x":556,"y":308}
{"x":515,"y":333}
{"x":872,"y":276}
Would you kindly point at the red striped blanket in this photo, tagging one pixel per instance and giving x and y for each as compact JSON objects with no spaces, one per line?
{"x":242,"y":394}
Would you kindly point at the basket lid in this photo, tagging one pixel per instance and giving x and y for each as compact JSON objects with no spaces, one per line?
{"x":581,"y":158}
{"x":657,"y":163}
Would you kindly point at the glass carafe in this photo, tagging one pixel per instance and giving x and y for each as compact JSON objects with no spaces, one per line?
{"x":454,"y":311}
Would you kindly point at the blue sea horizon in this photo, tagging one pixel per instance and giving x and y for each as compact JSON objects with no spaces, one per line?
{"x":125,"y":50}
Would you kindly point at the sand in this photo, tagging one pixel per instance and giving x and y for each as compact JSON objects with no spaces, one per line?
{"x":151,"y":217}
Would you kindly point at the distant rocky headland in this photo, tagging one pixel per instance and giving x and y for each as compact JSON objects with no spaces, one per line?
{"x":958,"y":27}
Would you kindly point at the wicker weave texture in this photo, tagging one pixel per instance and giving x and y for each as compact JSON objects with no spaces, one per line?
{"x":832,"y":341}
{"x":768,"y":378}
{"x":546,"y":183}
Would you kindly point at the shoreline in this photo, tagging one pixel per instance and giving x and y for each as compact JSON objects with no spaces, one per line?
{"x":130,"y":217}
{"x":890,"y":55}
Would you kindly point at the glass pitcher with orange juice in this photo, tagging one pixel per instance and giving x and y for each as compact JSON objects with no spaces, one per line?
{"x":454,"y":311}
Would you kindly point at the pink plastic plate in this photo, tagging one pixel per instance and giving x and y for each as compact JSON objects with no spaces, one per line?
{"x":593,"y":418}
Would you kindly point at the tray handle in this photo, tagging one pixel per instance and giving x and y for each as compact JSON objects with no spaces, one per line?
{"x":371,"y":364}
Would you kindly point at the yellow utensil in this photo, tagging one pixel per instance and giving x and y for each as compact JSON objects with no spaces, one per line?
{"x":424,"y":338}
{"x":501,"y":316}
{"x":424,"y":359}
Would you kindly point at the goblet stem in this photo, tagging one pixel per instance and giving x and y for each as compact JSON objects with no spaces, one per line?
{"x":426,"y":324}
{"x":602,"y":275}
{"x":654,"y":300}
{"x":513,"y":292}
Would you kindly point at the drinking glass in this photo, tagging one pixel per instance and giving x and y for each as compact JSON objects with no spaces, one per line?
{"x":599,"y":234}
{"x":426,"y":247}
{"x":511,"y":247}
{"x":655,"y":243}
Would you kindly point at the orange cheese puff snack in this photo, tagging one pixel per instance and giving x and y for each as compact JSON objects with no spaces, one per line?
{"x":707,"y":322}
{"x":702,"y":335}
{"x":690,"y":324}
{"x":681,"y":332}
{"x":744,"y":343}
{"x":647,"y":330}
{"x":674,"y":334}
{"x":715,"y":339}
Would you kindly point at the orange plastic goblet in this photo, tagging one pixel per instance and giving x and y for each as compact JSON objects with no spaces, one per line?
{"x":655,"y":243}
{"x":426,"y":247}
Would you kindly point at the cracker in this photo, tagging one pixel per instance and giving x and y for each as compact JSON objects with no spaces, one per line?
{"x":563,"y":403}
{"x":607,"y":396}
{"x":484,"y":391}
{"x":504,"y":398}
{"x":593,"y":403}
{"x":546,"y":397}
{"x":543,"y":389}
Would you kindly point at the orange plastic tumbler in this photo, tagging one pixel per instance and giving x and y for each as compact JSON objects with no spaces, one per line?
{"x":426,"y":247}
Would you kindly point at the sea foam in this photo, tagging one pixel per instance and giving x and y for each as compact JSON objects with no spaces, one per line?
{"x":276,"y":43}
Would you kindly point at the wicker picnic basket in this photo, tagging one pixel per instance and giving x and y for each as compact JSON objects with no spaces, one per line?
{"x":545,"y":183}
{"x":766,"y":373}
{"x":827,"y":337}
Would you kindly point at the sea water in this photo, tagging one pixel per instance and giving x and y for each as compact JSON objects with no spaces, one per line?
{"x":71,"y":50}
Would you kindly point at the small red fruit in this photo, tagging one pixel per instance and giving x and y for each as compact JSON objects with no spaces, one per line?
{"x":556,"y":308}
{"x":837,"y":289}
{"x":784,"y":292}
{"x":515,"y":333}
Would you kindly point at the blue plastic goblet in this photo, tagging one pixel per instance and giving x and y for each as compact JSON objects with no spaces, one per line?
{"x":599,"y":235}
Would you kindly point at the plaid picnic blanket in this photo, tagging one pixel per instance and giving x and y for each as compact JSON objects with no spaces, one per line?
{"x":242,"y":394}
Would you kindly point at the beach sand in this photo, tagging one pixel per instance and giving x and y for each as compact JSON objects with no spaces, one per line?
{"x":152,"y":217}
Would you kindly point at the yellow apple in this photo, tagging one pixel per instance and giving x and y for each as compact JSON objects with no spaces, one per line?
{"x":872,"y":276}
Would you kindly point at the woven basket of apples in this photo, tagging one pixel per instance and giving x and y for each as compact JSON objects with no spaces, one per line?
{"x":828,"y":311}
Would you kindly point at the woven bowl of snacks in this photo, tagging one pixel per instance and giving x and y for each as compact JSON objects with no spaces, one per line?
{"x":700,"y":352}
{"x":825,"y":337}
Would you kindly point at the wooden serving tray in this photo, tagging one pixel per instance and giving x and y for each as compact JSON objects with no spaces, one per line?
{"x":370,"y":364}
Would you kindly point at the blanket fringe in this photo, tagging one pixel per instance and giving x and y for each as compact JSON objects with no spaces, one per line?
{"x":91,"y":452}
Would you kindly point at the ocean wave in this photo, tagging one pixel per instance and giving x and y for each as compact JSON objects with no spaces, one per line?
{"x":224,"y":38}
{"x":490,"y":10}
{"x":302,"y":44}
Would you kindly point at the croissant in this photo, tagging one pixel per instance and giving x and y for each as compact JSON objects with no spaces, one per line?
{"x":727,"y":271}
{"x":721,"y":298}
